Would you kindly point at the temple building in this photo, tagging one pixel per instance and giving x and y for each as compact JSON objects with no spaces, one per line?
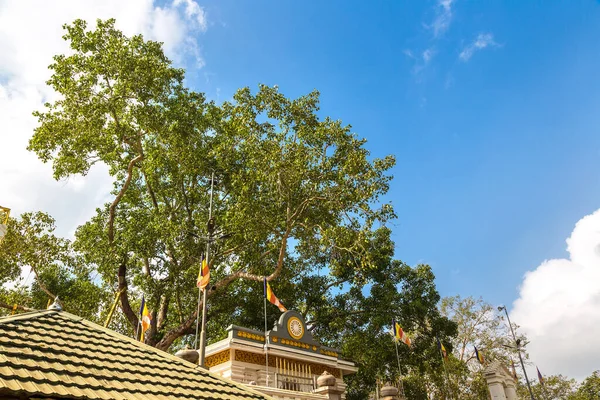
{"x":298,"y":367}
{"x":52,"y":354}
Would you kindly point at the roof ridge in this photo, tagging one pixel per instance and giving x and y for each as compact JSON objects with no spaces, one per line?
{"x":26,"y":315}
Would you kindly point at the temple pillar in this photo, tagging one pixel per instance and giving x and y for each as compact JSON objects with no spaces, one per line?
{"x":326,"y":385}
{"x":511,"y":391}
{"x":497,"y":391}
{"x":389,"y":392}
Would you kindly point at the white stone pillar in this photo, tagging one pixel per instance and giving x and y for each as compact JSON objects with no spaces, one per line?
{"x":511,"y":391}
{"x":497,"y":390}
{"x":327,"y":386}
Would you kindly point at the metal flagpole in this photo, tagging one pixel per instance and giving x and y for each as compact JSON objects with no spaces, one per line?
{"x":266,"y":339}
{"x":202,"y":348}
{"x":518,"y":350}
{"x":398,"y":356}
{"x":447,"y":380}
{"x":139,"y":326}
{"x":395,"y":333}
{"x":399,"y":369}
{"x":138,"y":337}
{"x":198,"y":313}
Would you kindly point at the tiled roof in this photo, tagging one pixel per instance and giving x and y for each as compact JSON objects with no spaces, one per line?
{"x":54,"y":354}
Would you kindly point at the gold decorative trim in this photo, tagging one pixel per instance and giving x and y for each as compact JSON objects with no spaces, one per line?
{"x":329,"y":353}
{"x":253,"y":336}
{"x":217,"y":358}
{"x":296,"y":344}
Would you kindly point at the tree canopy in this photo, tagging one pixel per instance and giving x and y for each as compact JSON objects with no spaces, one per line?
{"x":294,"y":193}
{"x":298,"y":199}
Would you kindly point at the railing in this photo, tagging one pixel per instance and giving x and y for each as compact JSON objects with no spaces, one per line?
{"x":295,"y":383}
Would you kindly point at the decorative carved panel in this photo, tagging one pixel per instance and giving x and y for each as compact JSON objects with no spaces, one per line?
{"x":288,"y":364}
{"x":217,"y":358}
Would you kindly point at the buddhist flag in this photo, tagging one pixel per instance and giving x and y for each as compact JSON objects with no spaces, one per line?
{"x":145,"y":318}
{"x":442,"y":348}
{"x":203,"y":275}
{"x":269,"y":295}
{"x":540,"y":377}
{"x":399,"y":334}
{"x":479,"y":356}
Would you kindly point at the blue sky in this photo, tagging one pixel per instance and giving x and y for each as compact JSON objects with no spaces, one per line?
{"x":497,"y":154}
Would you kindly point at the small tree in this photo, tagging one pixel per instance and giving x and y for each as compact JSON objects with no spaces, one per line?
{"x":32,"y":247}
{"x":479,"y":325}
{"x":589,"y":388}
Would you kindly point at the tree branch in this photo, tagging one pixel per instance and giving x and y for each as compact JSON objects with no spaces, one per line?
{"x":150,"y":191}
{"x":161,"y":319}
{"x":125,"y":306}
{"x":173,"y":334}
{"x":113,"y":206}
{"x":303,"y":206}
{"x":41,"y":285}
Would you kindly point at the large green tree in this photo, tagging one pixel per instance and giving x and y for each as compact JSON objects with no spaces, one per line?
{"x":293,"y":193}
{"x":296,"y":198}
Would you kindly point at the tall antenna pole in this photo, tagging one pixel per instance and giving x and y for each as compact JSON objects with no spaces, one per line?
{"x":517,"y":343}
{"x":202,"y":348}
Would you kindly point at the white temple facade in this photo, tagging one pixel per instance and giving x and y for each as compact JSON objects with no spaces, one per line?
{"x":298,"y":367}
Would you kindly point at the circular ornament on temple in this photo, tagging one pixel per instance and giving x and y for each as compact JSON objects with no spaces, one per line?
{"x":295,"y":328}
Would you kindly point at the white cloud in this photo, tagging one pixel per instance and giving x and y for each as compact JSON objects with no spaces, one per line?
{"x":420,"y":62}
{"x":443,"y":17}
{"x":482,"y":41}
{"x":193,"y":11}
{"x":559,"y":306}
{"x":427,"y":55}
{"x":30,"y":34}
